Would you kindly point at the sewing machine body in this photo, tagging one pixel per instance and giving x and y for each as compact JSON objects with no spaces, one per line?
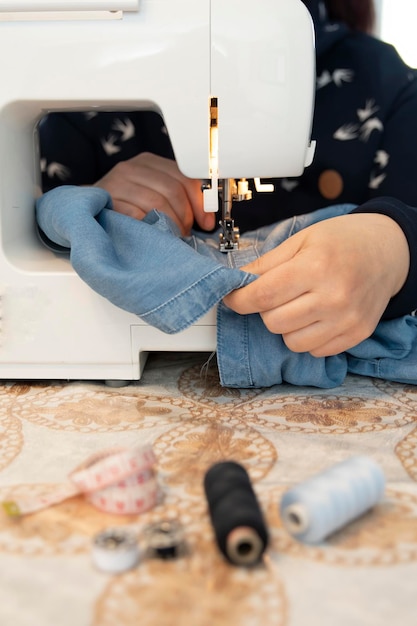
{"x":256,"y":59}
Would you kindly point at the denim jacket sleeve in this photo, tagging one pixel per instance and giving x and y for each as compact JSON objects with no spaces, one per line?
{"x":143,"y":267}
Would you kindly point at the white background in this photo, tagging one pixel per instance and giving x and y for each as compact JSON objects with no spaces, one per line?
{"x":397,"y":24}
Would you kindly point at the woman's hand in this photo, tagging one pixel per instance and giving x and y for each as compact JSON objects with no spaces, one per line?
{"x":147,"y":182}
{"x":325,"y":288}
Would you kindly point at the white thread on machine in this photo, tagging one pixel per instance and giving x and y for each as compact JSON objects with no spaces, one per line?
{"x":316,"y":508}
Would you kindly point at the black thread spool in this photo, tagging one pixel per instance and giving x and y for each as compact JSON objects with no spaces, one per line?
{"x":235,"y":513}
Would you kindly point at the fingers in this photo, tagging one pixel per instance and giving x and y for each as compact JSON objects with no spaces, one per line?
{"x":148,"y":182}
{"x":321,"y":322}
{"x":311,"y":340}
{"x":176,"y":195}
{"x":276,"y":286}
{"x":294,"y":315}
{"x":284,"y":252}
{"x":129,"y":209}
{"x":262,"y":295}
{"x":325,"y":289}
{"x":145,"y":188}
{"x":328,"y":337}
{"x":191,"y":186}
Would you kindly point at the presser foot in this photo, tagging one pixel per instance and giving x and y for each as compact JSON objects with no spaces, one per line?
{"x":229,"y":237}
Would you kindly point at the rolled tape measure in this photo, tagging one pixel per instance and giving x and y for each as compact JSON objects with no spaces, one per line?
{"x":119,"y":480}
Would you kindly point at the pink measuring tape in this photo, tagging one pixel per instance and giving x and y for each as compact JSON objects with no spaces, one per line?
{"x":121,"y":481}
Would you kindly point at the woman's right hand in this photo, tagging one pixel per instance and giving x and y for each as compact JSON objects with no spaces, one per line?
{"x":147,"y":182}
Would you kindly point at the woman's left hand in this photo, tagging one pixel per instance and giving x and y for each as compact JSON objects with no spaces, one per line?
{"x":325,"y":288}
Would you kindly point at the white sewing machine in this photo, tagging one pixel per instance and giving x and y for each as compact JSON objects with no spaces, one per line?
{"x":249,"y":63}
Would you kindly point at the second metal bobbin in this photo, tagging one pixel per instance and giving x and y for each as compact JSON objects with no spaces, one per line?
{"x":165,"y":540}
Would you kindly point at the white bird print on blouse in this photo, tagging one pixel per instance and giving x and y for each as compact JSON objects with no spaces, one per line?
{"x":55,"y":169}
{"x":110,"y":145}
{"x":289,"y":184}
{"x":324,"y":79}
{"x":381,"y":158}
{"x":375,"y":181}
{"x":369,"y":126}
{"x":125,"y":130}
{"x":342,"y":76}
{"x":347,"y":132}
{"x":368,"y":110}
{"x":366,"y":126}
{"x":339,"y":77}
{"x":125,"y":127}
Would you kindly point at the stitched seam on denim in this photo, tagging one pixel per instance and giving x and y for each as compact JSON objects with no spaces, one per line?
{"x":190,"y":320}
{"x":192,"y":317}
{"x":193,"y":242}
{"x":220,"y":343}
{"x":246,"y":348}
{"x":177,"y":329}
{"x":184,"y":291}
{"x":393,"y":352}
{"x":256,"y":246}
{"x":381,"y":369}
{"x":231,"y":263}
{"x":173,"y":331}
{"x":293,"y":224}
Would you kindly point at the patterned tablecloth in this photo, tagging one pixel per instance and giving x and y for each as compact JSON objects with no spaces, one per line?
{"x":365,"y":575}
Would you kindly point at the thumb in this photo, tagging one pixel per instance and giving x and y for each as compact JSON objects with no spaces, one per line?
{"x":206,"y":220}
{"x":281,"y":254}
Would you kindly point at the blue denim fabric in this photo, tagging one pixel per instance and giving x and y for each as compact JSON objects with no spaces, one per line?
{"x":145,"y":267}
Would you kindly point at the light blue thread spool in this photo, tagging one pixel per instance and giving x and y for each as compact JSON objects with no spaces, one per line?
{"x":316,"y":508}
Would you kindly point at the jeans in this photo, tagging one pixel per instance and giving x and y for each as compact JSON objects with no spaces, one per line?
{"x":147,"y":268}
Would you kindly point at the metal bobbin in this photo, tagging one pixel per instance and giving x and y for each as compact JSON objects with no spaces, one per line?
{"x":165,"y":540}
{"x":115,"y":550}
